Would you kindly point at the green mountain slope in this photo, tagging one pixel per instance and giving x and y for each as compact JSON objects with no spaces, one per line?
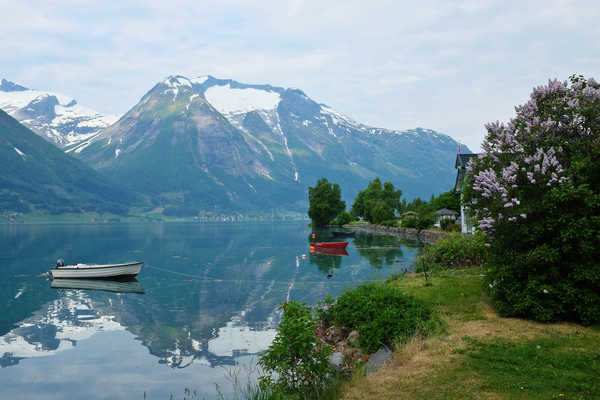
{"x":207,"y":144}
{"x":38,"y":176}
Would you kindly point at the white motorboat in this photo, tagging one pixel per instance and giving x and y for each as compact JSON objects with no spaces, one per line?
{"x":90,"y":271}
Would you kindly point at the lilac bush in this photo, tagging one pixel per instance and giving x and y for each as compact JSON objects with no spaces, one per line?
{"x":535,"y":193}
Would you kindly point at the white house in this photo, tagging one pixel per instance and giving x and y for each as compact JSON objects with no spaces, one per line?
{"x":444,"y":213}
{"x":466,"y":220}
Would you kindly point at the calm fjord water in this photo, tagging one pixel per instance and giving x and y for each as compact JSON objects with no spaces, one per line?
{"x":211,"y":293}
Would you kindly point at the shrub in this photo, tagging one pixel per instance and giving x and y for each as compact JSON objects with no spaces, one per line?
{"x":425,"y":221}
{"x":418,"y":222}
{"x":536,"y":192}
{"x":297,"y":358}
{"x":410,"y":222}
{"x":449,"y":225}
{"x":389,"y":223}
{"x":454,"y":251}
{"x":382,"y":314}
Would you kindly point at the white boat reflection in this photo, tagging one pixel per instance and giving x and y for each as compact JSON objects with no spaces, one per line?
{"x":121,"y":286}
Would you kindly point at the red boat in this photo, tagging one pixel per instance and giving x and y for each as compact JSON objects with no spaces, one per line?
{"x":331,"y":245}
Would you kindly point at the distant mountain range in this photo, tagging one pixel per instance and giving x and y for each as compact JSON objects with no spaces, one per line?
{"x":55,"y":117}
{"x":37,"y":176}
{"x":213,"y":145}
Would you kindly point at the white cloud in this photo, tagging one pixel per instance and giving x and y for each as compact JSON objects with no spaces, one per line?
{"x":449,"y":66}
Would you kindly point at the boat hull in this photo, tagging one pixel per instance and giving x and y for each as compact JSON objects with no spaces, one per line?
{"x":127,"y":270}
{"x":331,"y":245}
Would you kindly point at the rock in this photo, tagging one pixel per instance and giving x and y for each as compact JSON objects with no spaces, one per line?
{"x":352,"y":338}
{"x":340,"y":346}
{"x":378,"y":360}
{"x":334,"y":334}
{"x":352,"y":354}
{"x":336,"y":360}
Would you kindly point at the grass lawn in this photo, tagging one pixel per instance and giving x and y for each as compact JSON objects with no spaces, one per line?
{"x":481,"y":355}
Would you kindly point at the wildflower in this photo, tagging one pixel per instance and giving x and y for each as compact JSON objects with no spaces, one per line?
{"x":545,"y":291}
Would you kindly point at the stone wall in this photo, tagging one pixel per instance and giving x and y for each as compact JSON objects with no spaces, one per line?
{"x":405,"y":233}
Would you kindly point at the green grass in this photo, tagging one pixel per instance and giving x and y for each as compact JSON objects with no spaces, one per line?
{"x":541,"y":368}
{"x":454,"y":293}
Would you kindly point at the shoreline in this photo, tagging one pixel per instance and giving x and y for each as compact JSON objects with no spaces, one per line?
{"x":423,"y":236}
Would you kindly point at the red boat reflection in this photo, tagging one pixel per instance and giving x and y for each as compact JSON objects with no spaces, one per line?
{"x":333,"y":252}
{"x":328,"y":251}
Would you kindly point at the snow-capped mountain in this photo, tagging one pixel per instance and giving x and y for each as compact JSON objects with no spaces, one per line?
{"x":57,"y":118}
{"x":216,"y":144}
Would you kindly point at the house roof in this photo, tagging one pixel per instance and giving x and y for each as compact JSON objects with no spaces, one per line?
{"x":445,"y":211}
{"x":463,"y":159}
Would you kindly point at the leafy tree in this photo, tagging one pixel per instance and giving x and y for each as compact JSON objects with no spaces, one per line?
{"x":376,"y":203}
{"x":449,"y":200}
{"x":325,"y":202}
{"x":297,"y":358}
{"x":342,"y":219}
{"x":380,"y":211}
{"x":536,"y":192}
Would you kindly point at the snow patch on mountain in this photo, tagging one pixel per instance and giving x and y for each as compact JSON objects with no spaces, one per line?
{"x":56,"y":117}
{"x":228,"y":100}
{"x":192,"y":97}
{"x":237,"y":122}
{"x":12,"y":101}
{"x":277,"y":129}
{"x":177,"y":81}
{"x":337,"y":117}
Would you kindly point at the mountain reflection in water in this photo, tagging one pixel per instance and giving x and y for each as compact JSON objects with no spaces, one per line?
{"x":210,"y":298}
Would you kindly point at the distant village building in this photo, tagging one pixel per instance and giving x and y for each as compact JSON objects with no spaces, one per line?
{"x":466,"y":220}
{"x":444,"y":213}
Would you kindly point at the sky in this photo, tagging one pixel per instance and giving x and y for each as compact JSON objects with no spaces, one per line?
{"x":451,"y":66}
